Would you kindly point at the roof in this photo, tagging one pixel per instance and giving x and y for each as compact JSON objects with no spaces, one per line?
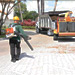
{"x":7,"y":1}
{"x":56,"y":13}
{"x":44,"y":15}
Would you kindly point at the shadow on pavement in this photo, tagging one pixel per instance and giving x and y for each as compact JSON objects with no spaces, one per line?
{"x":70,"y":39}
{"x":23,"y":55}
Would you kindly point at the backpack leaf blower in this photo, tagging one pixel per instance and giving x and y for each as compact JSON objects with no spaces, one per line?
{"x":25,"y":39}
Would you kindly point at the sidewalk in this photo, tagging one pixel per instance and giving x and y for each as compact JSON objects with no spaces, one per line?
{"x":48,"y":58}
{"x":39,"y":62}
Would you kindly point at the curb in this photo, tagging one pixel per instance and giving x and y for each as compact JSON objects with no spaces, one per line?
{"x":2,"y":39}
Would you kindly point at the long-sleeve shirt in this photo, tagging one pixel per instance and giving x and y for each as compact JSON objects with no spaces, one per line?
{"x":19,"y":29}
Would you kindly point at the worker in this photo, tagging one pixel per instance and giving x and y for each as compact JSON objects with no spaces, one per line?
{"x":14,"y":42}
{"x":67,"y":17}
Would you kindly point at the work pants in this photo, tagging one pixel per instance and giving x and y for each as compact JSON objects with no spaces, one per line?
{"x":15,"y":49}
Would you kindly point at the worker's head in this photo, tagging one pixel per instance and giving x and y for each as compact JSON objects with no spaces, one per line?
{"x":16,"y":19}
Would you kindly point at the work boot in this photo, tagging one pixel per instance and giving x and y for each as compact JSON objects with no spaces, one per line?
{"x":17,"y":57}
{"x":13,"y":60}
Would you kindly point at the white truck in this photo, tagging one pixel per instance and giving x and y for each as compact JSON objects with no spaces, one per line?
{"x":44,"y":23}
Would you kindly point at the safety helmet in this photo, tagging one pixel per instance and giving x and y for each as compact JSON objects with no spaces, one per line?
{"x":16,"y":18}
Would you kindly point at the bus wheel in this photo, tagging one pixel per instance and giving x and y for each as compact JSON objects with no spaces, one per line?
{"x":55,"y":37}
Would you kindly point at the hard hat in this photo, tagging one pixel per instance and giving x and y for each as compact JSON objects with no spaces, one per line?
{"x":16,"y":18}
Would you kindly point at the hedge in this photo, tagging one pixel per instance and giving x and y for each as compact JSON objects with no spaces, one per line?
{"x":24,"y":27}
{"x":28,"y":27}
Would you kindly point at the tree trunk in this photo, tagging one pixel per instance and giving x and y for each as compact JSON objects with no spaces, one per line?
{"x":20,"y":12}
{"x":42,"y":6}
{"x":38,"y":6}
{"x":0,"y":29}
{"x":55,"y":5}
{"x":1,"y":23}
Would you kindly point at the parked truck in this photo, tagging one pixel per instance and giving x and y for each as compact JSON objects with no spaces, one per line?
{"x":65,"y":26}
{"x":45,"y":23}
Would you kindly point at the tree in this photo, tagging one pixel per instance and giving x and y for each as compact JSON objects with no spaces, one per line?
{"x":21,"y":11}
{"x":5,"y":4}
{"x":26,"y":14}
{"x":38,"y":6}
{"x":55,"y":5}
{"x":42,"y":6}
{"x":31,"y":15}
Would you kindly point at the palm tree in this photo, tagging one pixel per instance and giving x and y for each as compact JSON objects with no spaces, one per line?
{"x":38,"y":6}
{"x":20,"y":12}
{"x":42,"y":6}
{"x":55,"y":5}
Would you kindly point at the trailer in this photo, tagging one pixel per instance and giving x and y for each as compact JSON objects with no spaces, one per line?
{"x":45,"y":23}
{"x":65,"y":26}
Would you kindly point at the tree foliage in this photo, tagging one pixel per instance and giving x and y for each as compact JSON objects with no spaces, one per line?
{"x":26,"y":14}
{"x":31,"y":15}
{"x":23,"y":9}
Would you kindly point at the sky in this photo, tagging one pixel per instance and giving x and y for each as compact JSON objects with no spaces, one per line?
{"x":49,"y":6}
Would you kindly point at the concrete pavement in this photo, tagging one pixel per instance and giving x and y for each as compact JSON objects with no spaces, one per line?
{"x":57,"y":58}
{"x":39,"y":62}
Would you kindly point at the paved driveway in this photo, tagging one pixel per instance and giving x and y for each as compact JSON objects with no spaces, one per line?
{"x":48,"y":58}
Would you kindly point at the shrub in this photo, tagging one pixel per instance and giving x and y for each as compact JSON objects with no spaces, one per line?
{"x":28,"y":27}
{"x":28,"y":23}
